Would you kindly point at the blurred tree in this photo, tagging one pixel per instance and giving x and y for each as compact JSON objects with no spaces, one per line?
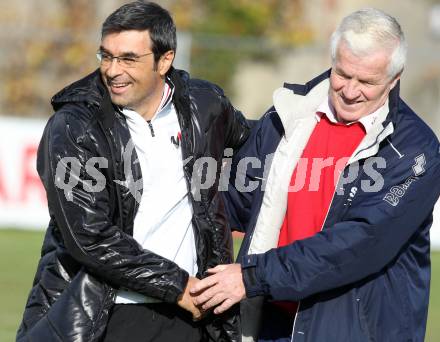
{"x":52,"y":51}
{"x":229,"y":31}
{"x":53,"y":43}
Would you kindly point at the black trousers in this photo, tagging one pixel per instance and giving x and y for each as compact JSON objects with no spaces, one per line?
{"x":157,"y":322}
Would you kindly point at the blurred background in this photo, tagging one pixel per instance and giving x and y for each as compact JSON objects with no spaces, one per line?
{"x":247,"y":47}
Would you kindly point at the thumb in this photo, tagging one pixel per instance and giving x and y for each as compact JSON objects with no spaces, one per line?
{"x":216,"y":269}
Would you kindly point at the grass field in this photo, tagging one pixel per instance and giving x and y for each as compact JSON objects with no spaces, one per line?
{"x":20,"y":250}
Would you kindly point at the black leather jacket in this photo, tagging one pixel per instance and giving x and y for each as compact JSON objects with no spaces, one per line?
{"x":88,"y":251}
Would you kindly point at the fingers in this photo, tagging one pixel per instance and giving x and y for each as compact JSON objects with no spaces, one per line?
{"x":196,"y":312}
{"x":196,"y":315}
{"x":211,"y":298}
{"x":186,"y":301}
{"x":222,"y":289}
{"x":203,"y":284}
{"x":205,"y":299}
{"x":218,"y":295}
{"x":219,"y":300}
{"x":215,"y":300}
{"x":224,"y":306}
{"x":216,"y":269}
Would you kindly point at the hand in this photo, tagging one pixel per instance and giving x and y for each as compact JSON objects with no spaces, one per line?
{"x":186,"y":301}
{"x":225,"y":287}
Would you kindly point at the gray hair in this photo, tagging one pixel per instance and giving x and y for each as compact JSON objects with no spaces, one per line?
{"x":368,"y":30}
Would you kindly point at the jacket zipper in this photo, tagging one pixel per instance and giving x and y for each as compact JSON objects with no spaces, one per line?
{"x":150,"y":125}
{"x":325,"y":219}
{"x":113,"y":163}
{"x":111,"y":294}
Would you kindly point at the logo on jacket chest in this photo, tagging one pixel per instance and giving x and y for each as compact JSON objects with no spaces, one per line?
{"x":398,"y":191}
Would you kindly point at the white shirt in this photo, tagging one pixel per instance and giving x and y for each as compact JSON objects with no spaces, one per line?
{"x":163,"y":222}
{"x":327,"y":108}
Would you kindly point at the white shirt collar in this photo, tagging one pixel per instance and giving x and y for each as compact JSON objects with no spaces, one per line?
{"x":327,"y":108}
{"x":167,"y":97}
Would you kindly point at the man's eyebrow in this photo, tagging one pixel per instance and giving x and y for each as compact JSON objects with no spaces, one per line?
{"x":341,"y":72}
{"x":129,"y":54}
{"x":103,"y":49}
{"x":124,"y":54}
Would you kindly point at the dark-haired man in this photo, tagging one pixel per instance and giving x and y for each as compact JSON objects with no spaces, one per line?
{"x":131,"y":227}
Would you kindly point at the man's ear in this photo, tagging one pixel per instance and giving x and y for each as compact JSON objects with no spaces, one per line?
{"x":165,"y":62}
{"x":395,"y":80}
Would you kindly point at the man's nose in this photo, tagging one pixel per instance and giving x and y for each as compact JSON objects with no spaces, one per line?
{"x":351,"y":89}
{"x":113,"y":69}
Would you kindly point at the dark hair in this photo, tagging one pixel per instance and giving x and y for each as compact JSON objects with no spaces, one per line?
{"x":144,"y":16}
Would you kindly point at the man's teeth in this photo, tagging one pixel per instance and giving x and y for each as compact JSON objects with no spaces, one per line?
{"x":119,"y":85}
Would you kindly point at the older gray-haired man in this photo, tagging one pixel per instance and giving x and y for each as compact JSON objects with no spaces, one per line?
{"x":348,"y":252}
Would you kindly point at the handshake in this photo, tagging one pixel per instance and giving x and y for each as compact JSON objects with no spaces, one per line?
{"x":220,"y":290}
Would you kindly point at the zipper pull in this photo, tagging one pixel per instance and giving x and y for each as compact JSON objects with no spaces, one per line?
{"x":151,"y":127}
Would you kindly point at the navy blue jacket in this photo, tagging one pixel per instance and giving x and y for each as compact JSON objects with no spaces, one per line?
{"x":366,"y":275}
